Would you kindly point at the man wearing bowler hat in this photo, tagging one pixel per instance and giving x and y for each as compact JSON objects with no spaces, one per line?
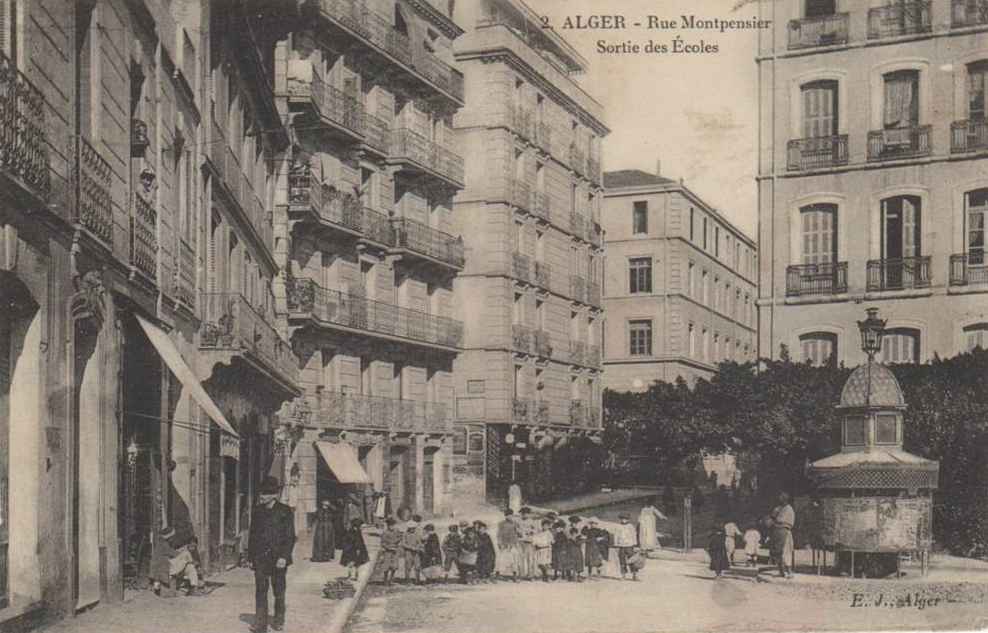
{"x":269,"y":550}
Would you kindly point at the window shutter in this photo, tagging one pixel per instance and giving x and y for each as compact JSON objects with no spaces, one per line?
{"x":6,"y":24}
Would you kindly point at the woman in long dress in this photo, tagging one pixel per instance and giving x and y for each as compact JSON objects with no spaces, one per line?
{"x":324,"y":536}
{"x":648,"y":535}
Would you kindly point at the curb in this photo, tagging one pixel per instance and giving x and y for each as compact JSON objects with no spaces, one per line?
{"x":347,"y":606}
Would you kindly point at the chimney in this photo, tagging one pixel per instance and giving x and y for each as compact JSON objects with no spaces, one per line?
{"x":658,"y":167}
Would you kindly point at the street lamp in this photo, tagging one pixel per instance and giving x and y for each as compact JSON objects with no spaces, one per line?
{"x":872,"y":330}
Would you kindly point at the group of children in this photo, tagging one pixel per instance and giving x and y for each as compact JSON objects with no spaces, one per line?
{"x":723,"y":543}
{"x":468,"y":546}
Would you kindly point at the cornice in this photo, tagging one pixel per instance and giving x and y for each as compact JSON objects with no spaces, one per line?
{"x":437,"y":18}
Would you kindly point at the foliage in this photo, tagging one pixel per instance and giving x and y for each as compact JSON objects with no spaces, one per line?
{"x":778,"y":416}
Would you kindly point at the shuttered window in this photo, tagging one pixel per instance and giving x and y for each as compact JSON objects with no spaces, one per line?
{"x":819,"y":109}
{"x":900,"y":345}
{"x":819,"y":228}
{"x":819,"y":348}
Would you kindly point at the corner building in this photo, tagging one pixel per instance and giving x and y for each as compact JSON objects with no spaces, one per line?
{"x":872,"y":176}
{"x":528,"y":383}
{"x":679,"y":289}
{"x":365,"y":237}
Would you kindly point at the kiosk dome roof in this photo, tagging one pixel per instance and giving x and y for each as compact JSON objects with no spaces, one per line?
{"x":885,"y":390}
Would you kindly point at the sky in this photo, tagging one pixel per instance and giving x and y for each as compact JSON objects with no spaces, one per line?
{"x":696,"y":113}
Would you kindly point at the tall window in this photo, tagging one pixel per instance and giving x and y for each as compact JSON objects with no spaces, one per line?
{"x":704,"y":289}
{"x":640,"y":275}
{"x":819,"y":109}
{"x":691,"y":280}
{"x":901,"y":111}
{"x":901,"y":227}
{"x":640,"y":337}
{"x":819,"y":348}
{"x":820,"y":8}
{"x":819,"y":228}
{"x":977,"y":211}
{"x":977,"y":86}
{"x":976,"y":336}
{"x":640,"y":218}
{"x":900,"y":345}
{"x":705,"y":350}
{"x":691,"y":338}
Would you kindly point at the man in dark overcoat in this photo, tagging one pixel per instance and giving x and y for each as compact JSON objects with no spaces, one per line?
{"x":269,"y":550}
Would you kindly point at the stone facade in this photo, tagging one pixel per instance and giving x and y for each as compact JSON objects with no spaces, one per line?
{"x":679,"y":285}
{"x":872,"y":178}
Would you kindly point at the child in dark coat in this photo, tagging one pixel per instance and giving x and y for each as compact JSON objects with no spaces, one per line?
{"x":432,"y":555}
{"x":451,"y":550}
{"x":717,"y":549}
{"x":354,"y":550}
{"x":485,"y":552}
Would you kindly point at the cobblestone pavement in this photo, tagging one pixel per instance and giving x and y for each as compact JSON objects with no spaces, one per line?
{"x":674,"y":595}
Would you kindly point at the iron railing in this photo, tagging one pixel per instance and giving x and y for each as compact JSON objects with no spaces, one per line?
{"x":522,"y":338}
{"x":330,"y":102}
{"x":969,"y":135}
{"x":376,"y":227}
{"x":816,"y":279}
{"x":377,"y":132}
{"x":144,"y":237}
{"x":899,"y":274}
{"x":902,"y":18}
{"x":185,"y":276}
{"x":324,"y":200}
{"x":412,"y":146}
{"x":966,"y":13}
{"x":907,"y":142}
{"x":306,"y":298}
{"x":817,"y":153}
{"x":340,"y":410}
{"x":825,"y":30}
{"x":968,"y":268}
{"x":95,"y":180}
{"x":230,"y":323}
{"x":543,"y":344}
{"x":521,"y":267}
{"x":23,"y":132}
{"x":422,"y":238}
{"x":384,"y":35}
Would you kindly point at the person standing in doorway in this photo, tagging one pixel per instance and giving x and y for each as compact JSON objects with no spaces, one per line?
{"x":269,"y":550}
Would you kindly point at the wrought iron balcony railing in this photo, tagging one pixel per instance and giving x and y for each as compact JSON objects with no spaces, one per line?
{"x":578,"y":288}
{"x":185,"y":275}
{"x":816,"y":279}
{"x":383,"y":34}
{"x":521,"y":267}
{"x":522,"y":338}
{"x":23,"y":132}
{"x":339,"y":410}
{"x":969,"y":136}
{"x":95,"y":186}
{"x":306,"y":299}
{"x":376,"y":227}
{"x":522,"y":409}
{"x":817,"y":153}
{"x":333,"y":207}
{"x":907,"y":142}
{"x":901,"y":18}
{"x":543,"y":344}
{"x":144,"y":237}
{"x":438,"y":72}
{"x":344,"y":111}
{"x":966,"y":13}
{"x":543,"y":275}
{"x":408,"y":145}
{"x":423,"y":239}
{"x":969,"y":268}
{"x":899,"y":274}
{"x":377,"y":132}
{"x":230,"y":323}
{"x":825,"y":30}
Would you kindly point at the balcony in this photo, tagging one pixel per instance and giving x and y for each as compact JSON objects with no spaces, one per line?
{"x":414,"y":153}
{"x":522,"y":410}
{"x":521,"y":267}
{"x":894,"y":144}
{"x":817,"y":153}
{"x":376,"y":227}
{"x":357,"y":314}
{"x":231,"y":325}
{"x":968,"y":136}
{"x":579,"y":415}
{"x":23,"y":132}
{"x":804,"y":280}
{"x":185,"y":277}
{"x":375,"y":32}
{"x":899,"y":274}
{"x":543,"y":275}
{"x":377,"y":132}
{"x":577,"y":352}
{"x":342,"y":113}
{"x":337,"y":410}
{"x":824,"y":30}
{"x":144,"y":238}
{"x":543,"y":206}
{"x":903,"y":18}
{"x":578,"y":288}
{"x":521,"y":195}
{"x":968,"y":269}
{"x":543,"y":344}
{"x":966,"y":13}
{"x":95,"y":212}
{"x":522,"y":339}
{"x":433,"y":244}
{"x":309,"y":198}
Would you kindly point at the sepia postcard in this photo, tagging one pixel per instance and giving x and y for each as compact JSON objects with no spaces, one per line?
{"x":493,"y":316}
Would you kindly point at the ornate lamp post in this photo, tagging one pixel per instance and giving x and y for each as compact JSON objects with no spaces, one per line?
{"x":872,"y":330}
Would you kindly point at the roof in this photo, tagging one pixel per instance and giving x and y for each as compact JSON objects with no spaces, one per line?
{"x":885,"y":390}
{"x":633,"y":178}
{"x":875,"y":458}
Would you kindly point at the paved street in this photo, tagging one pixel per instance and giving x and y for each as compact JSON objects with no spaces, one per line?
{"x":673,"y":595}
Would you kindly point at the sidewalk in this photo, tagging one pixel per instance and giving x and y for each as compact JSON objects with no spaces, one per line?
{"x":597,"y":499}
{"x":229,"y":606}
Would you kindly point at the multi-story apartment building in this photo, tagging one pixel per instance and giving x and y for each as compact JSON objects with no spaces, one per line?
{"x":679,"y":289}
{"x":528,"y":383}
{"x":365,"y":227}
{"x":135,"y":274}
{"x":872,"y":176}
